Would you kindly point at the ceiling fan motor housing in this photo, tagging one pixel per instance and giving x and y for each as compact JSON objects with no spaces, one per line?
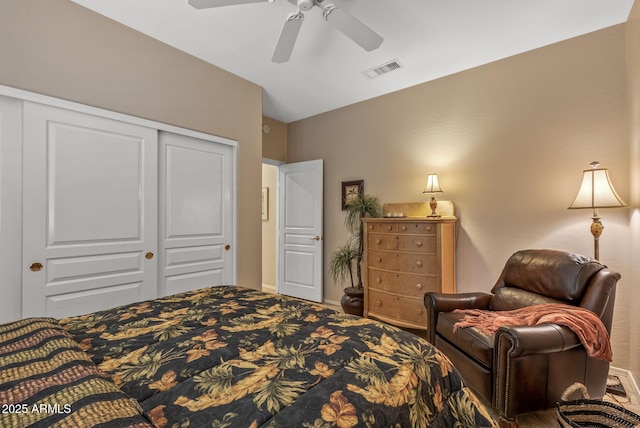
{"x":305,"y":4}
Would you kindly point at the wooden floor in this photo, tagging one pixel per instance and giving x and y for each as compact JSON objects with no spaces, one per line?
{"x":549,"y":418}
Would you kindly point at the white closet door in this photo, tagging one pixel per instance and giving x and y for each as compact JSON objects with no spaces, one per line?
{"x":90,"y":212}
{"x":196,"y":214}
{"x":10,"y":208}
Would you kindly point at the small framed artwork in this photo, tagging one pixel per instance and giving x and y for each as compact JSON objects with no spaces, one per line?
{"x":265,"y":203}
{"x":350,"y":191}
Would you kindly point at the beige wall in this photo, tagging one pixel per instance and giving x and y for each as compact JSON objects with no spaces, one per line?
{"x":631,"y":292}
{"x":274,"y":143}
{"x":509,"y":141}
{"x":58,"y":48}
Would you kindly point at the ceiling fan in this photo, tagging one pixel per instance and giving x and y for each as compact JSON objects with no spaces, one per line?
{"x":343,"y":21}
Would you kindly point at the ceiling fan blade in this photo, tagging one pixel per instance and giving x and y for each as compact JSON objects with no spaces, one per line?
{"x":352,"y":28}
{"x":288,"y":37}
{"x":205,"y":4}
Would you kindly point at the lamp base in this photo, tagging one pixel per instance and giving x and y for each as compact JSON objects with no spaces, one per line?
{"x":596,"y":230}
{"x":433,"y":204}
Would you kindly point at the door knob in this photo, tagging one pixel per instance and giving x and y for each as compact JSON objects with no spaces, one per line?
{"x":149,"y":255}
{"x":36,"y":267}
{"x":315,"y":238}
{"x":227,"y":247}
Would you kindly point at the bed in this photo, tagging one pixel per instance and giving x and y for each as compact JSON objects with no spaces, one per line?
{"x":225,"y":357}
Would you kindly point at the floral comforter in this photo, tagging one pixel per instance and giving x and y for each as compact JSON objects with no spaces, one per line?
{"x":229,"y":356}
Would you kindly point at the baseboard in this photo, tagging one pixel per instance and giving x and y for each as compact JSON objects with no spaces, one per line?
{"x":329,"y":302}
{"x":622,"y":373}
{"x":268,"y":288}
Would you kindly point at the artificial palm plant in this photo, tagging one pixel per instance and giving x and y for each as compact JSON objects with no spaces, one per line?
{"x":349,"y":256}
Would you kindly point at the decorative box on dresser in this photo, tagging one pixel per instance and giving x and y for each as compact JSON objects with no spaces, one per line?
{"x":403,"y":259}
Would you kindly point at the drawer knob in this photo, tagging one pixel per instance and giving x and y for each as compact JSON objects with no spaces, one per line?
{"x":404,"y":227}
{"x":378,"y":303}
{"x":419,"y":286}
{"x":419,"y":311}
{"x":419,"y":263}
{"x":370,"y":227}
{"x":378,"y":280}
{"x":429,"y":228}
{"x":378,"y":241}
{"x":389,"y":227}
{"x":418,"y":244}
{"x":378,"y":259}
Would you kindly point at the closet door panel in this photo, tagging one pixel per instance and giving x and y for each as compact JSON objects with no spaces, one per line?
{"x":194,"y":193}
{"x":94,"y":182}
{"x":90,"y":203}
{"x":196,"y":208}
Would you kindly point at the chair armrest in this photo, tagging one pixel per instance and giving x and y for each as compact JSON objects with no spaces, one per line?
{"x":441,"y":302}
{"x":520,"y":341}
{"x":515,"y":378}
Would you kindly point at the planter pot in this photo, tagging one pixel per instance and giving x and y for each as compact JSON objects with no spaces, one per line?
{"x":353,"y":301}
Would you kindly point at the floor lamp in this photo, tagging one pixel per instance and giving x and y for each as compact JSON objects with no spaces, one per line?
{"x":596,"y":191}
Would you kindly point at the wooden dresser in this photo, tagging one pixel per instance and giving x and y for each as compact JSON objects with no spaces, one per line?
{"x":403,"y":259}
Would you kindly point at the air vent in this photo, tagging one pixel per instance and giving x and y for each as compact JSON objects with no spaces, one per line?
{"x":382,"y":69}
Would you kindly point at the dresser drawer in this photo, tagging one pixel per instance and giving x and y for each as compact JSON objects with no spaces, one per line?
{"x":404,"y":262}
{"x":401,"y":283}
{"x":382,"y":226}
{"x":418,"y":227}
{"x":397,"y":307}
{"x":407,"y":243}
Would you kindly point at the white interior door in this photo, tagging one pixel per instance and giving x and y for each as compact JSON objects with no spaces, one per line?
{"x":196,"y":214}
{"x":300,"y":240}
{"x":89,"y":212}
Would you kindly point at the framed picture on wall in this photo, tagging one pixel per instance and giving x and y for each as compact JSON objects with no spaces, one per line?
{"x":350,"y":191}
{"x":265,"y":203}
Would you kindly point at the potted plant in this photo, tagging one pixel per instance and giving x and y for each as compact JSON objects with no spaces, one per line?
{"x":346,"y":261}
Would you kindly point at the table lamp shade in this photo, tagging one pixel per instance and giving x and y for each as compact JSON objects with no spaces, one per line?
{"x":432,"y":184}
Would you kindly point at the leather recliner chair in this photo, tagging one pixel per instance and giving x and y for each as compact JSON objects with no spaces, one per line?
{"x":521,"y":369}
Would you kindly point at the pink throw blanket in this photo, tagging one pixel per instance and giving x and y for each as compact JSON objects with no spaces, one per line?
{"x":587,"y":325}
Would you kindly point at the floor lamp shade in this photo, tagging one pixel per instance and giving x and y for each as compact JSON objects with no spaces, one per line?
{"x":596,"y":191}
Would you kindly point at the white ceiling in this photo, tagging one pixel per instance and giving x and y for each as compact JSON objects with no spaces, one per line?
{"x":429,"y":38}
